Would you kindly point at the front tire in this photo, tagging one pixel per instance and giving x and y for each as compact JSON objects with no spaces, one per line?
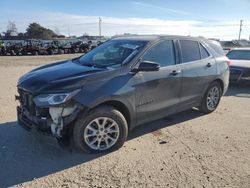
{"x":103,"y":129}
{"x":211,"y":98}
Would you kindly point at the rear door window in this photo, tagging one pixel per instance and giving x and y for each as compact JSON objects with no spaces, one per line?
{"x":190,"y":51}
{"x":162,"y":53}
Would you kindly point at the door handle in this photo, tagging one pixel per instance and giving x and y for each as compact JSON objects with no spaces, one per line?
{"x":175,"y":72}
{"x":209,"y":65}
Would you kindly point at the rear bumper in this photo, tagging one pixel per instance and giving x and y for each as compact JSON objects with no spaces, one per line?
{"x":239,"y":75}
{"x":241,"y":80}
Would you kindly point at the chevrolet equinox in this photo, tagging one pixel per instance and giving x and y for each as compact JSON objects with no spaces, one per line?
{"x":95,"y":99}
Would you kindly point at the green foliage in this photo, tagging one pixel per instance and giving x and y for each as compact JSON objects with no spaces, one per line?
{"x":36,"y":31}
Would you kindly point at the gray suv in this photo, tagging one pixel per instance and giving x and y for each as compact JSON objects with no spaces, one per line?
{"x":94,"y":100}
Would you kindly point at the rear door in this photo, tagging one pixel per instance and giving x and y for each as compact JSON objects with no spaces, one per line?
{"x":158,"y":92}
{"x":198,"y":70}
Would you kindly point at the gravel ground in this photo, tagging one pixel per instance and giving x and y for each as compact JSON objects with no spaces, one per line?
{"x":185,"y":150}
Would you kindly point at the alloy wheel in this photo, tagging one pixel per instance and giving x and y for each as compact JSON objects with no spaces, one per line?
{"x":213,"y":98}
{"x":101,"y":133}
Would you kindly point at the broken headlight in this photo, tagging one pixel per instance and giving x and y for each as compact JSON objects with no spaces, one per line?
{"x":54,"y":99}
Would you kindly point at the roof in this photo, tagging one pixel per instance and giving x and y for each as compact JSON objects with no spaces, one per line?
{"x":154,"y":37}
{"x":245,"y":48}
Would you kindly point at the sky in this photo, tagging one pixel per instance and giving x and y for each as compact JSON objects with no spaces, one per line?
{"x":209,"y":18}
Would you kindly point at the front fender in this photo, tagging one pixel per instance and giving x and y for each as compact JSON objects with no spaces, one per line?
{"x":113,"y":101}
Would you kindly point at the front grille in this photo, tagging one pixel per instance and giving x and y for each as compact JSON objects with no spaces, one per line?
{"x":27,"y":102}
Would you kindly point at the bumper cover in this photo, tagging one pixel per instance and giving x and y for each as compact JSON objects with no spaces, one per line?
{"x":239,"y":75}
{"x":43,"y":125}
{"x":29,"y":122}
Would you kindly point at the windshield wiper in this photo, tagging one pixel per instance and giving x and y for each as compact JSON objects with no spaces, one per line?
{"x":93,"y":65}
{"x":106,"y":65}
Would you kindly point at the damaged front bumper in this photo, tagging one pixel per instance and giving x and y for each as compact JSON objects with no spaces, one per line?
{"x":54,"y":121}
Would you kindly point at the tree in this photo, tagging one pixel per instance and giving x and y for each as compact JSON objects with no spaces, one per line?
{"x":21,"y":36}
{"x":57,"y":31}
{"x":11,"y":29}
{"x":61,"y":36}
{"x":36,"y":31}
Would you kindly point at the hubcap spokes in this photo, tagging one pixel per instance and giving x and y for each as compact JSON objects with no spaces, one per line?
{"x":101,"y":133}
{"x":213,"y":98}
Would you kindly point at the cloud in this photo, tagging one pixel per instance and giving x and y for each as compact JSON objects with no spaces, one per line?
{"x":159,"y":8}
{"x":78,"y":24}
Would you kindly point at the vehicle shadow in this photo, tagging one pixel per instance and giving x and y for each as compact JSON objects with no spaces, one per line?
{"x":25,"y":156}
{"x":238,"y":90}
{"x":165,"y":122}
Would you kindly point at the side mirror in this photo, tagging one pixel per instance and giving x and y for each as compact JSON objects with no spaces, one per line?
{"x":147,"y":66}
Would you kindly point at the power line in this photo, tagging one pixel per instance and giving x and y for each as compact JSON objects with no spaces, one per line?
{"x":68,"y":31}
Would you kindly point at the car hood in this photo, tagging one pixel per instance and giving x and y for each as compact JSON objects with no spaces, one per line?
{"x":56,"y":77}
{"x":240,"y":63}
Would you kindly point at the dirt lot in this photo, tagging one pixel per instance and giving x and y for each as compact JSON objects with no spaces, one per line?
{"x":185,"y":150}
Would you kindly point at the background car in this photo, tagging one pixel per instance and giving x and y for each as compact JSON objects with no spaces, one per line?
{"x":240,"y":65}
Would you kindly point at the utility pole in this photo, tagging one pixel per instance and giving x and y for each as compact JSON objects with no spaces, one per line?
{"x":100,"y":27}
{"x":241,"y":21}
{"x":68,"y":31}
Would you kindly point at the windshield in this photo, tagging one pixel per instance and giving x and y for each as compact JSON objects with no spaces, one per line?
{"x":239,"y":54}
{"x":112,"y":53}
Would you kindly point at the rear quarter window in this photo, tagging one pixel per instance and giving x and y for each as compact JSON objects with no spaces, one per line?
{"x":216,"y":47}
{"x":204,"y":52}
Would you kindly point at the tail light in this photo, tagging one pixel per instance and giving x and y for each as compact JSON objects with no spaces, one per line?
{"x":228,"y":62}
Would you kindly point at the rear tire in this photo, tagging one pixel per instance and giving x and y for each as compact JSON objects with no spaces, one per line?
{"x":211,"y":98}
{"x":103,"y":129}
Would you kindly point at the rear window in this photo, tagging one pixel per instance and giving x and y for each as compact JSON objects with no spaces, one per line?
{"x":190,"y":50}
{"x":239,"y":54}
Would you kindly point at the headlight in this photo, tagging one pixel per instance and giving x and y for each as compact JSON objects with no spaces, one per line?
{"x":54,"y":99}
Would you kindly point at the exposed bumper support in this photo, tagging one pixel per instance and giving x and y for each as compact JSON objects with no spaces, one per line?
{"x":57,"y":120}
{"x":57,"y":114}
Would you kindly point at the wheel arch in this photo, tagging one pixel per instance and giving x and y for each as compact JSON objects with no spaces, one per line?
{"x":221,"y":83}
{"x":218,"y":80}
{"x":121,"y":107}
